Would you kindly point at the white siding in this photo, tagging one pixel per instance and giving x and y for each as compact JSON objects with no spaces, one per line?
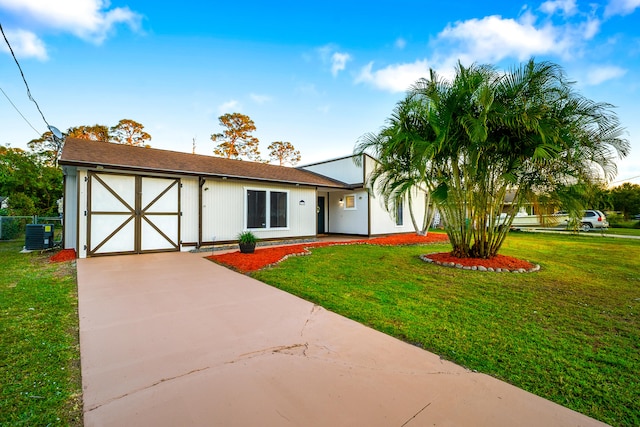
{"x":349,"y":221}
{"x":383,"y":222}
{"x":189,"y":206}
{"x":70,"y":209}
{"x":82,"y":214}
{"x":341,"y":169}
{"x":223,"y":210}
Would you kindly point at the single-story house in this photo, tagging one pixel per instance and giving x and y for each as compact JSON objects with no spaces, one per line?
{"x":120,"y":199}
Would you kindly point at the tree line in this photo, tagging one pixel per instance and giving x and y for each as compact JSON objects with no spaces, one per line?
{"x":32,"y":180}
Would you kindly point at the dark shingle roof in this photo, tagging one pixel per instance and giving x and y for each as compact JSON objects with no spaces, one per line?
{"x":80,"y":152}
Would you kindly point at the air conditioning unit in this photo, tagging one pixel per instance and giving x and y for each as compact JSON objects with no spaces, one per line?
{"x":38,"y":237}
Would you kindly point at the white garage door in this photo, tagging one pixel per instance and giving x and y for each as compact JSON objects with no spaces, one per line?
{"x":132,"y":214}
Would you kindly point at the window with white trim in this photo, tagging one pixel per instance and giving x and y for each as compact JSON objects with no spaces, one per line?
{"x":399,"y":212}
{"x":266,"y":209}
{"x":350,"y":201}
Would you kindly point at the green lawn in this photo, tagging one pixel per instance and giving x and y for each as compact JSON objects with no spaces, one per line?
{"x":40,"y":360}
{"x":569,"y":333}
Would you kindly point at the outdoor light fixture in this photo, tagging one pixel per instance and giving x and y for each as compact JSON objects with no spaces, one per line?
{"x":301,"y":203}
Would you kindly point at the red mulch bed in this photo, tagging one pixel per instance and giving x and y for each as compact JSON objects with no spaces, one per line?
{"x":264,"y":257}
{"x":64,"y":255}
{"x":498,"y":261}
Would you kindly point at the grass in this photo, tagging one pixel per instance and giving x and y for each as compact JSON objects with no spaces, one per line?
{"x":569,"y":333}
{"x":40,"y":365}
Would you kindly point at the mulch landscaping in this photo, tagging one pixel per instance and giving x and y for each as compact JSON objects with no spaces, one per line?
{"x":63,"y":256}
{"x":502,"y":262}
{"x":268,"y":256}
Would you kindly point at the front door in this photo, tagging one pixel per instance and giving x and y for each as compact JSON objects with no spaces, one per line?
{"x":320,"y":210}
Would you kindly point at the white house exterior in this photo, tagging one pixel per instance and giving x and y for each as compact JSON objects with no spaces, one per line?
{"x":127,"y":200}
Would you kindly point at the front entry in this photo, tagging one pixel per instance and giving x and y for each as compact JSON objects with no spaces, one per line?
{"x":131,"y":214}
{"x":320,"y":220}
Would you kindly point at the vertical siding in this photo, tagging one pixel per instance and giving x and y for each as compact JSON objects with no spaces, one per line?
{"x":383,"y":222}
{"x":342,"y":169}
{"x":70,"y":209}
{"x":82,"y":217}
{"x":189,"y":207}
{"x":223,"y":210}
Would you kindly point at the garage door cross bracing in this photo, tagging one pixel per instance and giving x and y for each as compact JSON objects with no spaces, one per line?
{"x":132,"y":214}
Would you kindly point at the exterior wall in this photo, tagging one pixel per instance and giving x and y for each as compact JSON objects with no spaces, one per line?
{"x":81,"y":250}
{"x":349,"y":221}
{"x":70,"y":209}
{"x":384,"y":222}
{"x":341,"y":169}
{"x":189,"y":200}
{"x":224,"y":205}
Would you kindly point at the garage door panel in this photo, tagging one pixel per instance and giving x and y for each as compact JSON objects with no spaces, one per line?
{"x":109,"y":194}
{"x":112,"y":233}
{"x":159,"y":232}
{"x":160,"y":195}
{"x":133,"y":214}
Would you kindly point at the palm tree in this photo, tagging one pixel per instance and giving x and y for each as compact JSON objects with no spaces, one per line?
{"x":397,"y":173}
{"x":485,"y":133}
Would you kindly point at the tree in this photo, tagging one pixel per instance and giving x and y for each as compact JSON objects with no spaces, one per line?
{"x":27,"y":174}
{"x":394,"y":175}
{"x":483,"y":133}
{"x":284,"y":152}
{"x":236,"y":140}
{"x":48,"y":147}
{"x":129,"y":132}
{"x":92,"y":133}
{"x":626,"y":199}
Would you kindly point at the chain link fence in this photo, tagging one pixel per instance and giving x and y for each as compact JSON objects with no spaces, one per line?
{"x":14,"y":227}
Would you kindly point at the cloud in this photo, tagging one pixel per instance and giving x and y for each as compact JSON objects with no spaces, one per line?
{"x":494,"y":38}
{"x":329,"y":54}
{"x":621,"y":7}
{"x":394,"y":78}
{"x":400,"y":43}
{"x":567,"y":7}
{"x":231,"y":106}
{"x":25,"y":44}
{"x":90,"y":20}
{"x":598,"y":75}
{"x":259,"y":99}
{"x":339,"y":62}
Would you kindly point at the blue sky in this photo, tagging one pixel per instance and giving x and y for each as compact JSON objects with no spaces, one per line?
{"x":317,"y":74}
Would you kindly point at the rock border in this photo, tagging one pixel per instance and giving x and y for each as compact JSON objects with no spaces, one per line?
{"x":426,"y":258}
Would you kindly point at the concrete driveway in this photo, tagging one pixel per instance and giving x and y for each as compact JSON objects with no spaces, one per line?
{"x":176,"y":340}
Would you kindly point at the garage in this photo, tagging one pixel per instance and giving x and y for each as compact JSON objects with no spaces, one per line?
{"x":132,"y":214}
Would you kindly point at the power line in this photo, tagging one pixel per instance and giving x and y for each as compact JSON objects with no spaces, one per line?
{"x":23,"y":77}
{"x":19,"y":112}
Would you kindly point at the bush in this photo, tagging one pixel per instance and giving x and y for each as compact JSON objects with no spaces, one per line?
{"x":10,"y":228}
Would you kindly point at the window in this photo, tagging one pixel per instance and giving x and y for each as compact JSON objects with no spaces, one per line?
{"x":350,"y":201}
{"x":399,"y":212}
{"x":259,"y":202}
{"x":278,"y":209}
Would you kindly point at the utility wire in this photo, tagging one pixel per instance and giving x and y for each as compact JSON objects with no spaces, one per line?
{"x":23,"y":77}
{"x":19,"y":112}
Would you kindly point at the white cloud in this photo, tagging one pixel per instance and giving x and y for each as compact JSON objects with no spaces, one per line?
{"x":25,"y":44}
{"x":598,"y":75}
{"x":494,"y":38}
{"x":394,"y":78}
{"x":259,"y":99}
{"x":339,"y":62}
{"x":621,"y":7}
{"x":329,"y":54}
{"x":231,"y":106}
{"x":90,"y":20}
{"x":567,"y":7}
{"x":400,"y":43}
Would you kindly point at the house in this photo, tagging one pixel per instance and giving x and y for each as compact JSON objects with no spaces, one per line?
{"x":120,"y":199}
{"x":4,"y":202}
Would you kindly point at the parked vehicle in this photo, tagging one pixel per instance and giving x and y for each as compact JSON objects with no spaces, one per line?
{"x":593,"y":219}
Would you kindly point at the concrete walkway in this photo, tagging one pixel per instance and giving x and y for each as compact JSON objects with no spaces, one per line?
{"x":176,"y":340}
